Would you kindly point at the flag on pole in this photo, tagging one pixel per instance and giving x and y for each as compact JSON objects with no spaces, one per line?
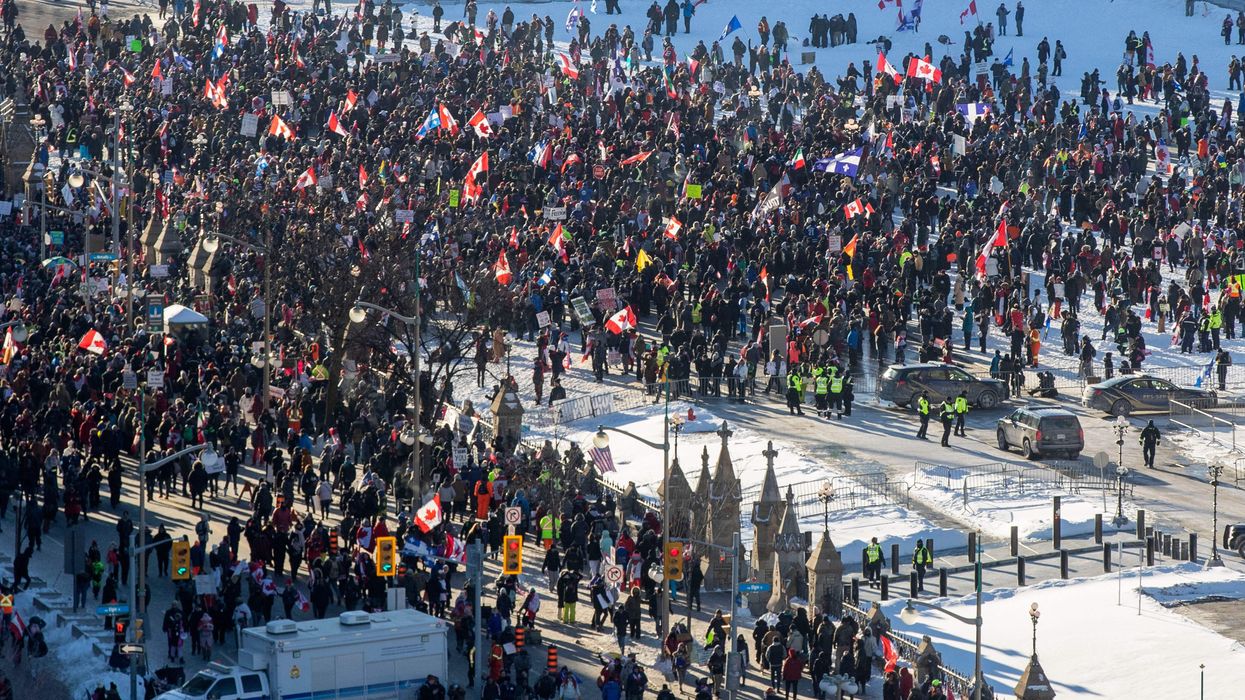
{"x":998,"y":240}
{"x":93,"y":343}
{"x":923,"y":69}
{"x":335,"y":126}
{"x":850,"y":251}
{"x":447,"y":120}
{"x":1007,"y":60}
{"x":732,"y":26}
{"x":568,"y":66}
{"x":843,"y":164}
{"x":642,"y":260}
{"x":637,"y":158}
{"x":10,"y":347}
{"x":479,"y":123}
{"x":222,"y":42}
{"x":884,"y":66}
{"x":432,"y":121}
{"x":278,"y":127}
{"x":798,"y":161}
{"x":501,"y":271}
{"x":602,"y":459}
{"x":430,"y":514}
{"x":970,"y":10}
{"x":622,"y":321}
{"x":471,"y":188}
{"x":307,"y":179}
{"x":973,"y":111}
{"x":673,"y":227}
{"x":352,"y":98}
{"x":857,"y":208}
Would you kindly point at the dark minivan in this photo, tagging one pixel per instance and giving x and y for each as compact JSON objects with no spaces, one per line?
{"x":1037,"y":431}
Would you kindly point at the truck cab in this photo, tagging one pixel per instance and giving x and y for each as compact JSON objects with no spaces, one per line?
{"x":220,"y":682}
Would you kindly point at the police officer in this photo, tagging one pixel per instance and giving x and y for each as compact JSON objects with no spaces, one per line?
{"x":821,"y":389}
{"x":961,"y":410}
{"x":1149,"y":441}
{"x":836,"y":392}
{"x":6,"y":612}
{"x":922,"y":410}
{"x":921,"y":561}
{"x":1216,"y":322}
{"x":946,"y":414}
{"x":873,"y":562}
{"x":795,"y":391}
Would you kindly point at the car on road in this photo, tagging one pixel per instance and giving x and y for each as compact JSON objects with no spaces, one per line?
{"x":1234,"y":538}
{"x":1040,"y":431}
{"x":901,"y":384}
{"x":1131,"y":393}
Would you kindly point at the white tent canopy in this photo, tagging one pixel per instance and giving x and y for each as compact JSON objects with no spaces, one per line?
{"x":176,"y":315}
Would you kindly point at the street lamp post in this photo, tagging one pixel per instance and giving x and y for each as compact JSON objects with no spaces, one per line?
{"x":601,"y":440}
{"x":211,"y":243}
{"x":1034,"y":614}
{"x":1216,"y":471}
{"x":1121,"y":471}
{"x":20,"y":334}
{"x":358,"y":314}
{"x":826,"y":496}
{"x":1120,"y":427}
{"x":909,"y":615}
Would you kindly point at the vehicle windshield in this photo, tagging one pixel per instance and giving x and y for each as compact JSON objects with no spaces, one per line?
{"x":960,"y":375}
{"x":199,"y":684}
{"x":1060,"y":423}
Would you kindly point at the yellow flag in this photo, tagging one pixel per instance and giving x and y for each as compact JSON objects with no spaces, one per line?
{"x":642,"y":260}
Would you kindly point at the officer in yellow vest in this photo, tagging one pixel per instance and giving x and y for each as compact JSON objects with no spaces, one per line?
{"x":821,"y":389}
{"x":922,"y":410}
{"x":961,"y":410}
{"x":873,"y":563}
{"x":1216,"y":322}
{"x":6,"y":612}
{"x":921,"y":561}
{"x":946,"y":413}
{"x":795,"y":391}
{"x":549,"y":526}
{"x":836,"y":392}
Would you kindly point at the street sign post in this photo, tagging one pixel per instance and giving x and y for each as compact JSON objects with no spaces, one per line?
{"x":613,"y":574}
{"x":754,"y":587}
{"x":113,"y":609}
{"x":513,"y":515}
{"x":132,"y":649}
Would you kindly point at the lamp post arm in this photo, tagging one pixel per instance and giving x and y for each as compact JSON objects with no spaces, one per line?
{"x":633,"y":436}
{"x":944,"y":611}
{"x":409,"y":320}
{"x":239,"y":241}
{"x":149,"y":466}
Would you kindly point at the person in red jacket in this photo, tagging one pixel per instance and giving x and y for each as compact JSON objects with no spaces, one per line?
{"x":484,"y":495}
{"x":792,"y":669}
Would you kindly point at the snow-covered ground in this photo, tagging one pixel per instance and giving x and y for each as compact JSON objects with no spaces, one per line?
{"x":1091,"y":646}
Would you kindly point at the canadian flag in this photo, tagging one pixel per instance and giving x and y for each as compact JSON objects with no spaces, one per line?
{"x":502,"y":269}
{"x":568,"y":67}
{"x":555,"y":239}
{"x":127,"y":77}
{"x":673,"y":226}
{"x":637,"y":158}
{"x":857,"y":208}
{"x":471,"y":189}
{"x":884,"y":66}
{"x":430,"y":514}
{"x":998,"y":239}
{"x":335,"y":126}
{"x":622,"y":321}
{"x":307,"y":179}
{"x":93,"y":343}
{"x":448,"y":121}
{"x":454,"y":548}
{"x":352,"y":98}
{"x":920,"y":68}
{"x":278,"y":127}
{"x":970,"y":10}
{"x":479,"y":123}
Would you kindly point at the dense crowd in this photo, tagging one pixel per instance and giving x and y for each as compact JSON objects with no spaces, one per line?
{"x":486,"y":179}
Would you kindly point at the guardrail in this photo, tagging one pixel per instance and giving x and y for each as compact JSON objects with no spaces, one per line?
{"x":1000,"y":478}
{"x":908,"y":648}
{"x":1192,"y":415}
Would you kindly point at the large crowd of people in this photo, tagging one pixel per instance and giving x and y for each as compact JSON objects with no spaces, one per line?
{"x":485,"y":178}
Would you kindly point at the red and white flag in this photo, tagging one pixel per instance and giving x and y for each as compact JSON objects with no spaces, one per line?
{"x":93,"y":343}
{"x":278,"y":127}
{"x":884,"y":66}
{"x":920,"y":68}
{"x":568,"y":67}
{"x":970,"y":10}
{"x":335,"y":126}
{"x":479,"y":123}
{"x":857,"y":208}
{"x":307,"y":179}
{"x":448,"y":122}
{"x":673,"y":227}
{"x":455,"y":548}
{"x":430,"y":514}
{"x":362,"y":176}
{"x":999,"y":239}
{"x":126,"y":76}
{"x":622,"y":321}
{"x":637,"y":158}
{"x":502,"y":269}
{"x":471,"y":188}
{"x":10,"y":348}
{"x":555,"y":239}
{"x":352,"y":98}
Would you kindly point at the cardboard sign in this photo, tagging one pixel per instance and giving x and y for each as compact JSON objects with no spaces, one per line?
{"x":404,"y":216}
{"x":453,"y":199}
{"x":461,"y":458}
{"x":542,"y":319}
{"x":204,"y":584}
{"x":155,"y":378}
{"x":250,"y":125}
{"x":555,"y":213}
{"x":129,"y":380}
{"x":56,"y":237}
{"x":834,"y":243}
{"x":6,"y":208}
{"x":166,"y":86}
{"x":694,"y":191}
{"x":135,"y":44}
{"x":282,"y":98}
{"x":607,"y":298}
{"x":158,"y":271}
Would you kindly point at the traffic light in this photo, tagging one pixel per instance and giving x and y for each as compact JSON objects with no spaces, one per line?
{"x":181,"y":561}
{"x":118,"y":632}
{"x":138,"y":630}
{"x":512,"y":555}
{"x":672,"y":561}
{"x":386,"y":556}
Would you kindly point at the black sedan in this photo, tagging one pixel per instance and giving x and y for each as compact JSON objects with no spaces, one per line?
{"x":1131,"y":393}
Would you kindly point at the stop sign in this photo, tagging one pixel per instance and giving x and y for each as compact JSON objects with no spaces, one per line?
{"x":598,"y":171}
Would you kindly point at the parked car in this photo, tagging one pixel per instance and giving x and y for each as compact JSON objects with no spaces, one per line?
{"x":1040,"y":431}
{"x":901,"y":384}
{"x":1130,"y":393}
{"x":1234,"y":538}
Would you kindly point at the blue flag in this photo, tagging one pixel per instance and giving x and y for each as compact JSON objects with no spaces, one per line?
{"x":843,"y":164}
{"x":432,"y":121}
{"x":731,"y":26}
{"x":1007,"y":60}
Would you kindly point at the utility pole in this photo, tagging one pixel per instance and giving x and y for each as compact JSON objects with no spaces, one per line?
{"x":475,"y":562}
{"x":734,"y":664}
{"x":419,"y":406}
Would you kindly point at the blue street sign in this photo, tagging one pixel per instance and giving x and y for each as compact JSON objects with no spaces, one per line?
{"x":105,"y":256}
{"x":113,"y":609}
{"x":754,"y":588}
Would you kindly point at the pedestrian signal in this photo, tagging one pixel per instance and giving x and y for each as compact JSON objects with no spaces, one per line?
{"x":512,"y":555}
{"x":386,"y":556}
{"x":672,"y":561}
{"x":181,"y":561}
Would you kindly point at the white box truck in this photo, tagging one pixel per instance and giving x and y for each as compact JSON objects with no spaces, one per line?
{"x":379,"y":656}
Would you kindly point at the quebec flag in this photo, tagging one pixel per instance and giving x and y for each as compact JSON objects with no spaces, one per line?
{"x":432,"y":121}
{"x":843,"y":164}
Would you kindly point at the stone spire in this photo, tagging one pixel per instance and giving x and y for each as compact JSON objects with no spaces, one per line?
{"x":778,"y":599}
{"x":724,"y":513}
{"x":680,"y":498}
{"x":766,"y":514}
{"x":1033,"y":683}
{"x":704,"y":481}
{"x":701,"y":510}
{"x":789,"y":550}
{"x":825,"y":575}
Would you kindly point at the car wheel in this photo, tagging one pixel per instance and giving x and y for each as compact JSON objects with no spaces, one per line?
{"x":1241,"y":550}
{"x":987,"y":399}
{"x":1073,"y":456}
{"x":1002,"y":437}
{"x":1026,"y":449}
{"x":1121,"y":408}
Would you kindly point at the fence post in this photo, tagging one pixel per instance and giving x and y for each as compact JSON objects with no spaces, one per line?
{"x":1150,"y":551}
{"x":912,"y":584}
{"x":942,"y":582}
{"x":886,"y":587}
{"x":1063,"y":563}
{"x":1141,"y":523}
{"x":972,"y":548}
{"x":1097,"y":528}
{"x":1015,"y":540}
{"x":1184,"y":551}
{"x":1106,"y":557}
{"x":864,"y":561}
{"x":1020,"y":571}
{"x":1167,"y":544}
{"x":1192,"y":546}
{"x":1057,"y":528}
{"x":895,"y":558}
{"x":965,"y":489}
{"x":855,"y":590}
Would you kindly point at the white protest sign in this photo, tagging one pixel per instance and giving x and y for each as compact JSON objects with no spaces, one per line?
{"x":155,"y":379}
{"x":250,"y":125}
